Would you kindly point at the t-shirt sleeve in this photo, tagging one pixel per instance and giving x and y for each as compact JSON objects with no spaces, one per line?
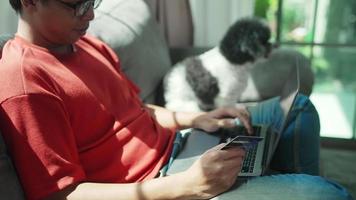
{"x":38,"y":133}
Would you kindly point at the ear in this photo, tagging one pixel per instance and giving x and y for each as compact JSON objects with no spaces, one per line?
{"x":28,"y":3}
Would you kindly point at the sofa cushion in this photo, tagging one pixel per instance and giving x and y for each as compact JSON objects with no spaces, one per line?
{"x":128,"y":28}
{"x":269,"y":76}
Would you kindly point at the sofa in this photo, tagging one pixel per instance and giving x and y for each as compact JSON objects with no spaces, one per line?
{"x":129,"y":28}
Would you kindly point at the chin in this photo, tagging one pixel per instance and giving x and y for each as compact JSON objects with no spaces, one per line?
{"x":219,"y":76}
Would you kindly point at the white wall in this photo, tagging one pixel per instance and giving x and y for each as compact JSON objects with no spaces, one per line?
{"x":213,"y":17}
{"x":8,"y":18}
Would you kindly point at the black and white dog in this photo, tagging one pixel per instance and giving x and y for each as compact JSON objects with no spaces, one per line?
{"x":219,"y":76}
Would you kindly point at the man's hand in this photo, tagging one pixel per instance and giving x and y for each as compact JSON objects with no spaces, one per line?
{"x":223,"y":118}
{"x":215,"y":172}
{"x":207,"y":121}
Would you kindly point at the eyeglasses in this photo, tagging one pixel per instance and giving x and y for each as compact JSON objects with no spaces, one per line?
{"x":81,"y":7}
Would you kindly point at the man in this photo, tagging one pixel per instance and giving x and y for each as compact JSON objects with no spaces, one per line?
{"x":75,"y":126}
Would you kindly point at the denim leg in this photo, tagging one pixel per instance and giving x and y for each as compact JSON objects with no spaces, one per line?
{"x":298,"y":148}
{"x":267,"y":112}
{"x":286,"y":186}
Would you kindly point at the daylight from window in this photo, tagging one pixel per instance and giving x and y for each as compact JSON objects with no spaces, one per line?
{"x":325,"y":32}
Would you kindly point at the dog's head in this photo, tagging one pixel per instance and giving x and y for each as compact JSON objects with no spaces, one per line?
{"x":246,"y":41}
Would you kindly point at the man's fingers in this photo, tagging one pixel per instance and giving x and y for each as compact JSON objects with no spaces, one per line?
{"x":240,"y":120}
{"x":226,"y":123}
{"x":243,"y":118}
{"x":247,"y":125}
{"x":225,"y":117}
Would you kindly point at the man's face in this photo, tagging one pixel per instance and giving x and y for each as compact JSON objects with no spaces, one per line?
{"x":58,"y":23}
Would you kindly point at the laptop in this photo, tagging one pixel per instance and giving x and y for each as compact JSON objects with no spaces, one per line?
{"x":258,"y":157}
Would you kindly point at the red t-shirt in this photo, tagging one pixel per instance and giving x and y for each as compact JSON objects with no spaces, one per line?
{"x":75,"y":118}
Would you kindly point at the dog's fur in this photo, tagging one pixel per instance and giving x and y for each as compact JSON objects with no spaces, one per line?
{"x":219,"y":76}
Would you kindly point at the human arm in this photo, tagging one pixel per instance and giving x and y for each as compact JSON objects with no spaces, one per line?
{"x":210,"y":175}
{"x":208,"y":121}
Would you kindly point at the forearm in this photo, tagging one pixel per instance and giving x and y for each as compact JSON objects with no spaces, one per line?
{"x":171,"y":187}
{"x":170,"y":119}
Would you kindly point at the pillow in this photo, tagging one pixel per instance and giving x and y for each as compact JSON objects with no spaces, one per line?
{"x":128,"y":28}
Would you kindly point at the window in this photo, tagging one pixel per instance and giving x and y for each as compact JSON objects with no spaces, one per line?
{"x":324,"y":31}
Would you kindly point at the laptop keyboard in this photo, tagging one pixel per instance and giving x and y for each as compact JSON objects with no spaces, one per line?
{"x":250,"y":156}
{"x":249,"y":161}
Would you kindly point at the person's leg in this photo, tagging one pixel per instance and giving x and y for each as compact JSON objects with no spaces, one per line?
{"x":288,"y":186}
{"x":298,"y":148}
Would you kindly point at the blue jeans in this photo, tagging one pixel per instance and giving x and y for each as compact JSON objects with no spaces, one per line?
{"x":298,"y":148}
{"x":285,"y":187}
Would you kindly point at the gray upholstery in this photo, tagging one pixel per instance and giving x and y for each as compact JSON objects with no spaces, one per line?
{"x":271,"y":75}
{"x":3,"y":40}
{"x":128,"y":27}
{"x":10,"y":188}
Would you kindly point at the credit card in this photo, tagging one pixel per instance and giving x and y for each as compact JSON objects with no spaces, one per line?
{"x":243,"y":141}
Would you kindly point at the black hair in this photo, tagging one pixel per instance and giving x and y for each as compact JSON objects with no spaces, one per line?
{"x":16,"y":5}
